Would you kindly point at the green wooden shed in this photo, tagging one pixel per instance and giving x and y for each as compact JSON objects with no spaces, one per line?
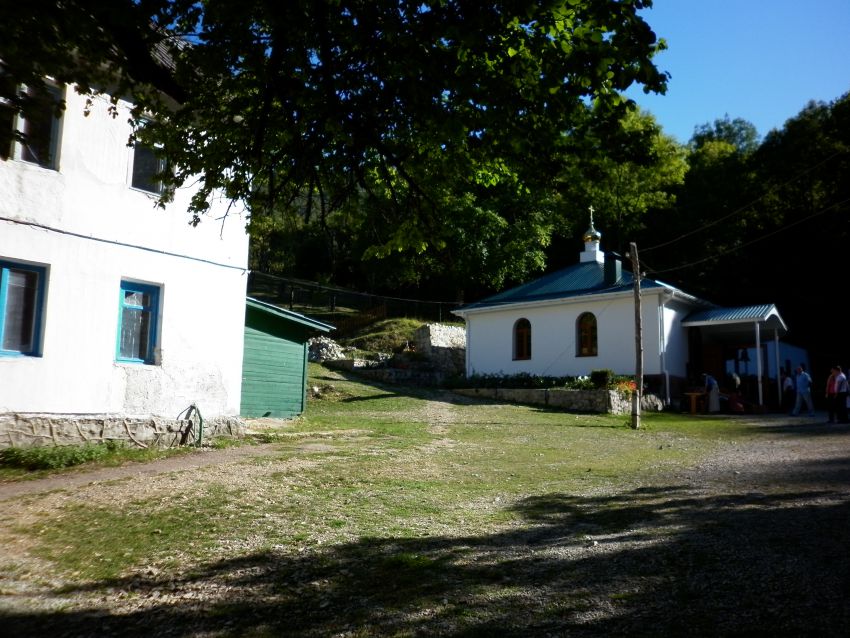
{"x":274,"y":363}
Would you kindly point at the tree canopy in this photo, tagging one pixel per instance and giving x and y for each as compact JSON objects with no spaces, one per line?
{"x":432,"y":111}
{"x":624,"y":184}
{"x":765,"y":222}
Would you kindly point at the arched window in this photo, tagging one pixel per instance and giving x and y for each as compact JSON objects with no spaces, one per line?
{"x":586,"y":335}
{"x":522,"y":339}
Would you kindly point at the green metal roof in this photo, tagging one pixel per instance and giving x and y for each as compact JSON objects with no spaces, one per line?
{"x":288,"y":315}
{"x":574,"y":281}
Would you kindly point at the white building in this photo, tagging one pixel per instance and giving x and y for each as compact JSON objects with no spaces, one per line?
{"x":109,"y":304}
{"x":582,"y":318}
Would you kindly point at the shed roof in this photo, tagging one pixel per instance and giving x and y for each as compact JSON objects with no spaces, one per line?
{"x":763,"y":313}
{"x":288,"y":315}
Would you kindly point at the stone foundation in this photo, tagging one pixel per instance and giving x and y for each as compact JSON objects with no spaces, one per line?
{"x":593,"y":401}
{"x":30,"y":429}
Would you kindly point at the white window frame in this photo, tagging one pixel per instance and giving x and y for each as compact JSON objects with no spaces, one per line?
{"x":157,"y":185}
{"x":592,"y":337}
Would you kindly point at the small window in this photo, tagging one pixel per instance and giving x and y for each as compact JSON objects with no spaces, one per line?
{"x":7,"y":113}
{"x":146,"y":169}
{"x":40,"y":127}
{"x":21,"y":305}
{"x":586,"y":335}
{"x":522,"y":339}
{"x":7,"y":127}
{"x":137,"y":322}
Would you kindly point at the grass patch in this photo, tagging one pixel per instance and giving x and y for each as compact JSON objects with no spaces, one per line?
{"x":99,"y":543}
{"x":389,"y":510}
{"x":38,"y":462}
{"x":389,"y":335}
{"x":56,"y":457}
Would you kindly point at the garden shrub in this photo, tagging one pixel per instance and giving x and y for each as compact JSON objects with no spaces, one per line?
{"x":598,"y":380}
{"x":601,"y":379}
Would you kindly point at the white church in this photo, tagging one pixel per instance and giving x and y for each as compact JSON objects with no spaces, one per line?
{"x":582,"y":318}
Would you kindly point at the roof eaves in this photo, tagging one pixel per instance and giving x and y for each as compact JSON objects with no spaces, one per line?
{"x":625,"y":285}
{"x":718,"y":316}
{"x":288,"y":315}
{"x":544,"y":300}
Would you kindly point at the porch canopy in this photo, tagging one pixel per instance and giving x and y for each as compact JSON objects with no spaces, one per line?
{"x":742,"y":325}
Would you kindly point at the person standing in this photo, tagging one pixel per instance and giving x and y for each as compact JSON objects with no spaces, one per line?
{"x":831,"y":394}
{"x":712,"y":390}
{"x":788,"y":391}
{"x":841,"y":389}
{"x":804,"y":392}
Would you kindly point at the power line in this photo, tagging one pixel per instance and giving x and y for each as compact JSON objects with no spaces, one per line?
{"x":753,"y":241}
{"x":742,"y":208}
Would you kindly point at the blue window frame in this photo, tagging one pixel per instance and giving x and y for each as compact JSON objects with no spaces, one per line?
{"x":137,"y":322}
{"x":21,"y":308}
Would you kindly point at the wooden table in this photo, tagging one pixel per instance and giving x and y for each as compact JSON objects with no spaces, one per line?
{"x":694,"y":398}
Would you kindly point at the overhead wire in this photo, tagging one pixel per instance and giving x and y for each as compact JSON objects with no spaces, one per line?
{"x":741,"y":209}
{"x":754,"y":240}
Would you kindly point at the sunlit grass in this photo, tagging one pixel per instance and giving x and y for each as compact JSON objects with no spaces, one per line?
{"x":383,"y":463}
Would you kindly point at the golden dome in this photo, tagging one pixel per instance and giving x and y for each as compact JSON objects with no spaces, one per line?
{"x":591,"y":234}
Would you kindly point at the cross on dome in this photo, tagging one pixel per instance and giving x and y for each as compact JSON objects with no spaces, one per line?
{"x":591,"y":234}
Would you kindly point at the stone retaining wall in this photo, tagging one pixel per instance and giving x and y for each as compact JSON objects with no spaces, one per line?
{"x":445,"y":347}
{"x":596,"y":401}
{"x":30,"y":430}
{"x":438,"y":335}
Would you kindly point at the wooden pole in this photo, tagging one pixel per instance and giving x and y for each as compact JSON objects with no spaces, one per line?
{"x":638,"y":341}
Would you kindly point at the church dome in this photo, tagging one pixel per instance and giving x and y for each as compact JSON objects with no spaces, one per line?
{"x":592,"y":235}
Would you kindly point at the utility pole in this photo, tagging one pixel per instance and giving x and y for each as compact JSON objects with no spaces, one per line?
{"x":638,"y":340}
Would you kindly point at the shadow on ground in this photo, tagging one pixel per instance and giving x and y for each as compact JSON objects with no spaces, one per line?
{"x":651,"y":561}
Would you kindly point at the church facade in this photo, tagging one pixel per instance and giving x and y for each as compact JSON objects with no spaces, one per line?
{"x":583,"y":318}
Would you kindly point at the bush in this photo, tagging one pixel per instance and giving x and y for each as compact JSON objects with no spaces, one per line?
{"x":520,"y":381}
{"x":56,"y":457}
{"x":598,"y":380}
{"x":625,"y":385}
{"x":581,"y":383}
{"x":602,"y":379}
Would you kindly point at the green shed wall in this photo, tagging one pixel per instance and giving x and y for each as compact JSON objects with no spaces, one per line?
{"x":274,"y":366}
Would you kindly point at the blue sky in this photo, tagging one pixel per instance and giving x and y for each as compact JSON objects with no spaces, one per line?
{"x":761,"y":60}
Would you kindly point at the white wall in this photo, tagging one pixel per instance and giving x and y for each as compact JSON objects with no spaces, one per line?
{"x":553,"y":338}
{"x":676,"y":339}
{"x":99,"y":231}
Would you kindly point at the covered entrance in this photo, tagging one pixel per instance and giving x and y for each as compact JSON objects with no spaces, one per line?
{"x":741,"y":348}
